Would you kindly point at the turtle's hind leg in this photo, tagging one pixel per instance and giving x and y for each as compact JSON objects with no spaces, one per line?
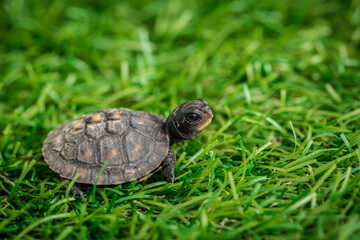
{"x":76,"y":190}
{"x":168,"y":167}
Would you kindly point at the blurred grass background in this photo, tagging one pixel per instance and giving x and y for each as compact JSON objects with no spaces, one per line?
{"x":281,"y":159}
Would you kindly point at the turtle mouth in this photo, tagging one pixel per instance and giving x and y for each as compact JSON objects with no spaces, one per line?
{"x":204,"y":124}
{"x":208,"y":116}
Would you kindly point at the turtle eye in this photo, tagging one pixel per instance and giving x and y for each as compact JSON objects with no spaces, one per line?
{"x":193,"y":117}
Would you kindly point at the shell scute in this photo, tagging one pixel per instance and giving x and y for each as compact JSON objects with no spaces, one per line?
{"x":85,"y":174}
{"x":56,"y":161}
{"x":57,"y":143}
{"x":130,"y":173}
{"x":117,"y":126}
{"x":74,"y":134}
{"x":69,"y":170}
{"x":143,"y":124}
{"x":161,"y":148}
{"x":137,"y":146}
{"x":69,"y":151}
{"x":110,"y":149}
{"x":104,"y":178}
{"x":87,"y":152}
{"x":95,"y":125}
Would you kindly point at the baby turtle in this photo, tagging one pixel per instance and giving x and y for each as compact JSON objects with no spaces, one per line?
{"x":136,"y":144}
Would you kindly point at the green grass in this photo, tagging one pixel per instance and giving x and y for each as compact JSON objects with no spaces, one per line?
{"x":280,"y":160}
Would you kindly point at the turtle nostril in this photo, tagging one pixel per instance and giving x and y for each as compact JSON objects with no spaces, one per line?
{"x":208,"y":110}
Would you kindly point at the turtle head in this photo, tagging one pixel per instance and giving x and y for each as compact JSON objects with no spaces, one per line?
{"x":188,"y":120}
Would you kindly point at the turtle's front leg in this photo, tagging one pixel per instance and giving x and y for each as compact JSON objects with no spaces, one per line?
{"x":76,"y":190}
{"x":168,"y":167}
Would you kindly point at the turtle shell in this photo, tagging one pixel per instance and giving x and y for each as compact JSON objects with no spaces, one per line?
{"x":134,"y":143}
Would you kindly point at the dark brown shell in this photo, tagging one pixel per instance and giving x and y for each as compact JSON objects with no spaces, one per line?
{"x":135,"y":143}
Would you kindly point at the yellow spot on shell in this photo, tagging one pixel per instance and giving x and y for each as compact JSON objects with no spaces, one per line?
{"x":78,"y":125}
{"x":96,"y":118}
{"x":116,"y":116}
{"x":88,"y":153}
{"x":113,"y":154}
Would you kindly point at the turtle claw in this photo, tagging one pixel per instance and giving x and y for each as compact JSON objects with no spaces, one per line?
{"x":75,"y":190}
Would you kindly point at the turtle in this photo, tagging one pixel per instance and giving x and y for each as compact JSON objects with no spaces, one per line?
{"x":134,"y":144}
